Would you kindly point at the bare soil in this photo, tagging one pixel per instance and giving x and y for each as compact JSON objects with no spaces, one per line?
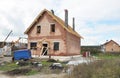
{"x":61,"y":75}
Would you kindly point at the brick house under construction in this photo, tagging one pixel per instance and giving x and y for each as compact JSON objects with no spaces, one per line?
{"x":50,"y":35}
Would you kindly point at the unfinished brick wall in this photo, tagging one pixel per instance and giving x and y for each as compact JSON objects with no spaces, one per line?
{"x":69,"y":44}
{"x":73,"y":44}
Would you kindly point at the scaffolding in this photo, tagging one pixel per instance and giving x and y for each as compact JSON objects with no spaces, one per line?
{"x":6,"y":49}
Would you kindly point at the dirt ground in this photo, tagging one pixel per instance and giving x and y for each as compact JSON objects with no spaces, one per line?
{"x":5,"y":59}
{"x":35,"y":76}
{"x":44,"y":76}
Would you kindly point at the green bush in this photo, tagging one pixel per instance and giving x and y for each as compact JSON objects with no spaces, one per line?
{"x":98,"y":69}
{"x":93,"y":52}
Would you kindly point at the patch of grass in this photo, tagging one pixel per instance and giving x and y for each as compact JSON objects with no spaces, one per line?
{"x":46,"y":63}
{"x":8,"y":66}
{"x":26,"y":68}
{"x":108,"y":56}
{"x":18,"y":72}
{"x":32,"y":72}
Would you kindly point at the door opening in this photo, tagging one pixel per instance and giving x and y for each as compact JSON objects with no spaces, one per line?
{"x":45,"y":49}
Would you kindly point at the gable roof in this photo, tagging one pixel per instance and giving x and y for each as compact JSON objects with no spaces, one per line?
{"x":59,"y":20}
{"x":111,"y":41}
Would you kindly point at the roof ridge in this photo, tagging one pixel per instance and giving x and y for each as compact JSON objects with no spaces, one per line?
{"x":58,"y":19}
{"x":110,"y":41}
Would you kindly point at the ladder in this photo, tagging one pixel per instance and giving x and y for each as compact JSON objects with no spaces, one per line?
{"x":45,"y":51}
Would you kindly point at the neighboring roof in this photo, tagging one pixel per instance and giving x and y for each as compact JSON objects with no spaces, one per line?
{"x":110,"y":41}
{"x":59,"y":20}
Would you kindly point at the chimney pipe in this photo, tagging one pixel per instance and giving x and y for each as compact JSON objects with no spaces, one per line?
{"x":73,"y":23}
{"x":66,"y":17}
{"x":52,"y":12}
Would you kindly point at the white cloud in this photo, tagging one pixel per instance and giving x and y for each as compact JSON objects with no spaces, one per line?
{"x":19,"y":14}
{"x":93,"y":9}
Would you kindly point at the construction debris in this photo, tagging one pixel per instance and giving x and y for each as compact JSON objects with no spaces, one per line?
{"x":37,"y":64}
{"x":56,"y":66}
{"x":22,"y":63}
{"x":51,"y":60}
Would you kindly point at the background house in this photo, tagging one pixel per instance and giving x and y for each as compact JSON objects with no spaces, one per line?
{"x":110,"y":46}
{"x":50,"y":35}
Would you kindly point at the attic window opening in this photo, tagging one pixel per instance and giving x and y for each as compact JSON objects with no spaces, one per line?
{"x":52,"y":27}
{"x":38,"y":29}
{"x":56,"y":46}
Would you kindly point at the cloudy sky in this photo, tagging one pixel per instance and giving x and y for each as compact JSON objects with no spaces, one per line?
{"x":96,"y":20}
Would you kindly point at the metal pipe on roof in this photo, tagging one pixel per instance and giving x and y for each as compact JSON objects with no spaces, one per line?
{"x":73,"y":23}
{"x":66,"y":17}
{"x":52,"y":12}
